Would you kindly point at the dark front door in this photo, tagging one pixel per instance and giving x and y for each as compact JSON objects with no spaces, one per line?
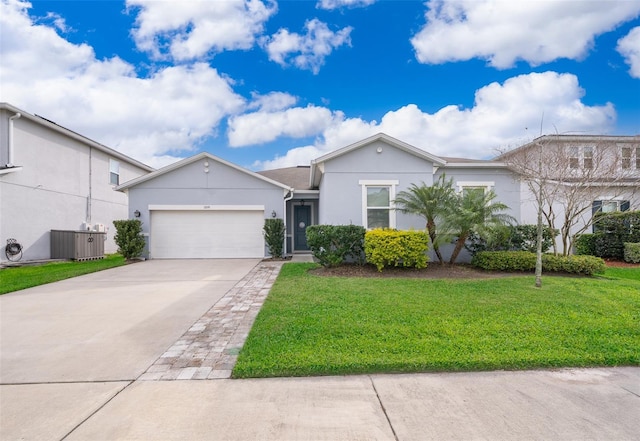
{"x":301,"y":220}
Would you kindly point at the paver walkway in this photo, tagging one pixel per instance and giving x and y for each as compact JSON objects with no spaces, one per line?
{"x":209,"y":349}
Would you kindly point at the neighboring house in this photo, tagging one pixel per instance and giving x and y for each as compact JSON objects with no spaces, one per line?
{"x":204,"y":206}
{"x":581,"y":175}
{"x":52,"y":178}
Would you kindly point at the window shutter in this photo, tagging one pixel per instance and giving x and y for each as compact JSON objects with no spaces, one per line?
{"x":595,"y":208}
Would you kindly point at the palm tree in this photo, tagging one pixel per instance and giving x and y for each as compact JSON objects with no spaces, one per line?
{"x":431,"y":202}
{"x":476,"y":211}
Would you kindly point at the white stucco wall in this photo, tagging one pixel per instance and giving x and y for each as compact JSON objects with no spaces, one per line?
{"x":63,"y":184}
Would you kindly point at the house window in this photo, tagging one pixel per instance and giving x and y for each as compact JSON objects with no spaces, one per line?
{"x":581,"y":156}
{"x":626,"y":157}
{"x":377,"y":204}
{"x":574,"y":157}
{"x":468,"y":187}
{"x":628,"y":154}
{"x":608,"y":206}
{"x":587,"y":159}
{"x":114,"y":172}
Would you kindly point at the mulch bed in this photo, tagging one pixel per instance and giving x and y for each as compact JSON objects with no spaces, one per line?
{"x":620,"y":264}
{"x":432,"y":271}
{"x":437,"y":271}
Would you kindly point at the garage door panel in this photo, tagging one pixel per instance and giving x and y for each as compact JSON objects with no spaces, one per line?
{"x":207,"y":234}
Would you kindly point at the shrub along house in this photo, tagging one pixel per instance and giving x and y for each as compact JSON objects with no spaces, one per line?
{"x":204,"y":206}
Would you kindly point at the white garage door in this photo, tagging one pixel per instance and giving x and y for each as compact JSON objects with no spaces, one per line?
{"x":206,"y":234}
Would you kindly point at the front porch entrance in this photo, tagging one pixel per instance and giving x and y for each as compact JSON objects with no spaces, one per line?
{"x":301,"y":220}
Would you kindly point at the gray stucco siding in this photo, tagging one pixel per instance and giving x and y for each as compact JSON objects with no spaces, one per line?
{"x":341,"y":192}
{"x":192,"y":185}
{"x":193,"y":175}
{"x":367,"y":160}
{"x":506,"y":185}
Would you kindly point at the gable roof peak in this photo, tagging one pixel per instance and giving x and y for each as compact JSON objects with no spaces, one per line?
{"x":385,"y":138}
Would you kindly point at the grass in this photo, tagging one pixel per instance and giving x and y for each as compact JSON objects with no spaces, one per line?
{"x":311,"y":325}
{"x":623,"y":273}
{"x":16,"y":278}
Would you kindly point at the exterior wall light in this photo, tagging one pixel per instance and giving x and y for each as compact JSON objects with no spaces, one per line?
{"x":136,"y":213}
{"x":273,"y":214}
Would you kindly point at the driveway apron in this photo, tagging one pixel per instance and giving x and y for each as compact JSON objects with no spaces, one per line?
{"x":111,"y":325}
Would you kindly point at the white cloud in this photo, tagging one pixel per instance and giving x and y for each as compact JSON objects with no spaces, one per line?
{"x":151,"y":119}
{"x":629,"y":48}
{"x":499,"y":118}
{"x":262,"y":127}
{"x":503,"y":32}
{"x":188,"y":30}
{"x":306,"y":51}
{"x":335,"y":4}
{"x":272,"y":101}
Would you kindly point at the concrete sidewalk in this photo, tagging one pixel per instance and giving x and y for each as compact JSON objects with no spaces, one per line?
{"x":595,"y":404}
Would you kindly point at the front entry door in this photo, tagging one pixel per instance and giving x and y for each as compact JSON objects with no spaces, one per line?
{"x":301,"y":220}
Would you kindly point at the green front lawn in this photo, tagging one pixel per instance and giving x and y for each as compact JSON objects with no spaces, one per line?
{"x":311,"y":325}
{"x":14,"y":279}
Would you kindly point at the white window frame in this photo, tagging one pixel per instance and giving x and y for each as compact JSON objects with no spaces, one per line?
{"x":487,"y":185}
{"x":365,"y":183}
{"x":581,"y":157}
{"x":114,"y":169}
{"x":633,"y":160}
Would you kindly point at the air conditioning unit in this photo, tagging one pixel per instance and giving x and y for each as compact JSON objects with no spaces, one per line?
{"x":101,"y":228}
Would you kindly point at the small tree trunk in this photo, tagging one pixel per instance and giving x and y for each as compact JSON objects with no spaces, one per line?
{"x":459,"y":244}
{"x":539,"y":249}
{"x":431,"y":228}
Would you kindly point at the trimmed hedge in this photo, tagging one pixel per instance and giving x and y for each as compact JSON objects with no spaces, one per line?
{"x":632,"y":252}
{"x":274,"y":236}
{"x":512,"y":238}
{"x":526,"y":261}
{"x":332,"y":245}
{"x":385,"y":247}
{"x":612,"y":230}
{"x":585,"y":245}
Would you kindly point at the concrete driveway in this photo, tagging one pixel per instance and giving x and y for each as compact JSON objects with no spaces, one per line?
{"x":111,"y":325}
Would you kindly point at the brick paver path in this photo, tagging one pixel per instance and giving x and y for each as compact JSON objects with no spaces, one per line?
{"x":209,"y":349}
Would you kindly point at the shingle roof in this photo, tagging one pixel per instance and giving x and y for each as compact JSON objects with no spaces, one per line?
{"x":296,"y":177}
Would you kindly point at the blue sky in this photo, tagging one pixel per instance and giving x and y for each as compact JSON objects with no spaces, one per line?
{"x":268,"y":84}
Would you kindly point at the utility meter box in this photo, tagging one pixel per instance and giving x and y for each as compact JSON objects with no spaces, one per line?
{"x":77,"y":245}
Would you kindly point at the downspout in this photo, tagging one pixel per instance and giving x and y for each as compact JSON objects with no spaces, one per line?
{"x":284,"y":215}
{"x":88,"y":219}
{"x":10,"y":150}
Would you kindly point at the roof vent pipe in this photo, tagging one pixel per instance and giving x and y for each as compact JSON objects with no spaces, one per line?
{"x":10,"y":153}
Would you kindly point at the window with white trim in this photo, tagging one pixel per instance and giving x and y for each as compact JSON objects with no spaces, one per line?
{"x":581,"y":157}
{"x":377,"y":204}
{"x":609,"y":206}
{"x":466,"y":187}
{"x":630,"y":157}
{"x":114,"y":172}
